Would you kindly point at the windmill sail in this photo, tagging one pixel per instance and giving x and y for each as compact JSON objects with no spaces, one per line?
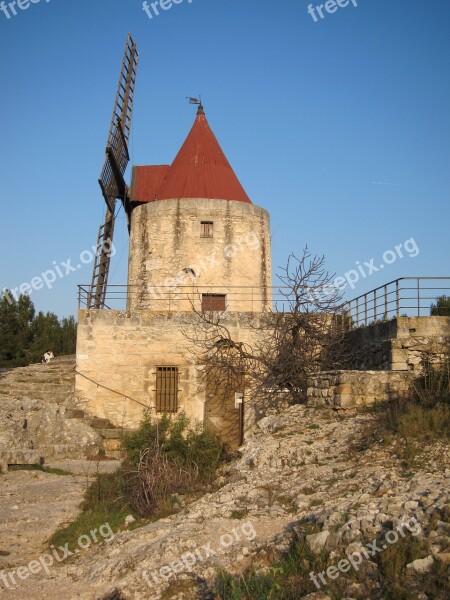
{"x":117,"y":158}
{"x":112,"y":182}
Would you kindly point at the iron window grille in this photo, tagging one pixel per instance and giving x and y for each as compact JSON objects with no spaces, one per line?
{"x":167,"y":389}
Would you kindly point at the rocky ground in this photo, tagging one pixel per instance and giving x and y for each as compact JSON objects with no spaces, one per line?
{"x":301,"y":465}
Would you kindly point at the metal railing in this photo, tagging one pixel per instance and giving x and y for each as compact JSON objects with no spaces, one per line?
{"x":184,"y":298}
{"x":407,"y":296}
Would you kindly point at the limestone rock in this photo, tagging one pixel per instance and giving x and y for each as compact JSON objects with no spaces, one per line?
{"x":317,"y":541}
{"x":41,"y":426}
{"x":38,"y":412}
{"x":421,"y":565}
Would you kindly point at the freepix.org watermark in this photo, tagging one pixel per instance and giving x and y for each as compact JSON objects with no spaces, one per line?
{"x":152,"y":9}
{"x":187,"y":561}
{"x":11,"y":578}
{"x":58,"y":271}
{"x":10,"y":9}
{"x":367,"y":552}
{"x":408,"y":248}
{"x":330,"y":7}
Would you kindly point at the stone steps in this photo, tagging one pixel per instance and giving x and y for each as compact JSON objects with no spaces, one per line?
{"x":112,"y":436}
{"x":54,"y":383}
{"x":51,"y":382}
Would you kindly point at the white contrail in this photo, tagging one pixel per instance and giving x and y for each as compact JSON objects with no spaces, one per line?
{"x":388,"y":183}
{"x":412,"y":185}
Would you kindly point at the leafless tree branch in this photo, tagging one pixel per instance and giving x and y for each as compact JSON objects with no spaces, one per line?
{"x":286,"y":346}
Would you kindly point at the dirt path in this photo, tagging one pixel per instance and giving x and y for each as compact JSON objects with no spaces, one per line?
{"x":33,"y":504}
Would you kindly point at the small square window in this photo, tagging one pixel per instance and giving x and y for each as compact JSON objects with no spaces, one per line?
{"x":206,"y":229}
{"x":216,"y":302}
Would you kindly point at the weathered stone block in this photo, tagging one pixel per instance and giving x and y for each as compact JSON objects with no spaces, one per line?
{"x":397,"y":341}
{"x":16,"y":456}
{"x":361,"y":388}
{"x":344,"y":388}
{"x":398,"y":356}
{"x":345,"y":400}
{"x":414,"y":360}
{"x":400,"y":366}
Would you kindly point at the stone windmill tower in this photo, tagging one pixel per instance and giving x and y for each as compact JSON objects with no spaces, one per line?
{"x":196,"y":241}
{"x":192,"y":224}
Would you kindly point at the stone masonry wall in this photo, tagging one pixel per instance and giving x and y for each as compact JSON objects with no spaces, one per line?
{"x":119,"y":351}
{"x":168,"y":254}
{"x":347,"y":389}
{"x":399,"y":344}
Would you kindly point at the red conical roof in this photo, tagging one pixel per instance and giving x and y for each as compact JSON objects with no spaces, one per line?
{"x":201,"y":169}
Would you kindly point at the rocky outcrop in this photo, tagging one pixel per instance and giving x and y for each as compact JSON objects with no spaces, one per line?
{"x":32,"y":506}
{"x":40,"y":419}
{"x":299,"y":467}
{"x":45,"y":428}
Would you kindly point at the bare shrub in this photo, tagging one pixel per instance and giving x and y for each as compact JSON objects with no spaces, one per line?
{"x":157,"y":477}
{"x":167,"y":456}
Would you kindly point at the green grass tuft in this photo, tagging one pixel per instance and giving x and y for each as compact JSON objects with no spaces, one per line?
{"x":41,"y":468}
{"x":289,"y":578}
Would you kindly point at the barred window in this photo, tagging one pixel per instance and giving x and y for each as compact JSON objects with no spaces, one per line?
{"x":215,"y":302}
{"x":206,"y":229}
{"x":166,"y":389}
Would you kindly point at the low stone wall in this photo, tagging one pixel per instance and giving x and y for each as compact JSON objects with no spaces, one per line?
{"x":348,"y":389}
{"x":399,"y":344}
{"x":19,"y":456}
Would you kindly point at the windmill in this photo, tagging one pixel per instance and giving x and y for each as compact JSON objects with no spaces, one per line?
{"x":112,"y":182}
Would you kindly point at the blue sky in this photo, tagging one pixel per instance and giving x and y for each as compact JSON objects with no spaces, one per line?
{"x":340,"y":128}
